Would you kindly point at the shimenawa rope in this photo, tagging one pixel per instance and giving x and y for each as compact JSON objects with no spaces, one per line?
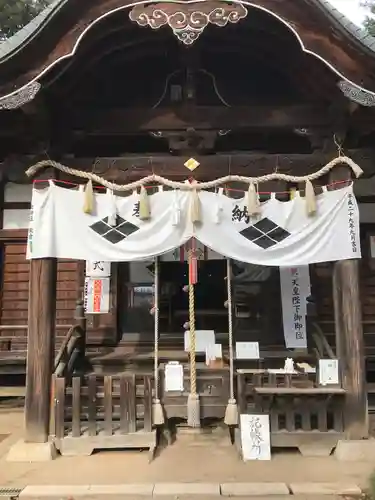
{"x":196,"y":186}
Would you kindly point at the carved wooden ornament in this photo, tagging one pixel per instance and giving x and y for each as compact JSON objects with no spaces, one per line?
{"x":21,"y":97}
{"x":356,"y":94}
{"x":187,"y":20}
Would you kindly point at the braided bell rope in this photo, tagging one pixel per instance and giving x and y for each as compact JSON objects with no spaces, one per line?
{"x":30,"y":172}
{"x":193,"y":372}
{"x":230,"y":332}
{"x":156,"y":329}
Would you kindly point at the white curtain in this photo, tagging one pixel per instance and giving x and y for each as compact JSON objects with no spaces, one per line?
{"x":283,"y":235}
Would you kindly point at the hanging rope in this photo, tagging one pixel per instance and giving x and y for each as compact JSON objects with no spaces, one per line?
{"x":193,"y":408}
{"x":157,"y":410}
{"x":196,"y":186}
{"x":231,"y":412}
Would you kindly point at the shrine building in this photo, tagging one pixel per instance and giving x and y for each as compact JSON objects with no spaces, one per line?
{"x":187,"y":199}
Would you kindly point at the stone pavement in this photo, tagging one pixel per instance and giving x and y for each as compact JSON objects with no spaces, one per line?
{"x":219,"y":467}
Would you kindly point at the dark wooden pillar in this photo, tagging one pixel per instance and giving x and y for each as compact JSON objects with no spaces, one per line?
{"x":349,"y":335}
{"x":40,"y":348}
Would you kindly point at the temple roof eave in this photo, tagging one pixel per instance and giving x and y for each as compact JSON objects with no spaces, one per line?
{"x":15,"y":44}
{"x":357,"y":32}
{"x":10,"y":47}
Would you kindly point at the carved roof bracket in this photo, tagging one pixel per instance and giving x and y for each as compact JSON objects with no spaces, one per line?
{"x":21,"y":97}
{"x":187,"y":20}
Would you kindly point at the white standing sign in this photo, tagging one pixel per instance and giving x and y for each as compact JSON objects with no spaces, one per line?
{"x":295,"y":288}
{"x":329,"y":372}
{"x":98,"y":269}
{"x":173,"y":377}
{"x":203,"y":339}
{"x":255,"y":437}
{"x":213,"y":352}
{"x":96,"y":295}
{"x":247,"y":350}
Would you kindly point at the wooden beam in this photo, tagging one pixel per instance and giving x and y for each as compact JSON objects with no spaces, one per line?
{"x":40,"y":348}
{"x":123,"y":121}
{"x":130,"y":167}
{"x":212,"y":166}
{"x":349,"y":337}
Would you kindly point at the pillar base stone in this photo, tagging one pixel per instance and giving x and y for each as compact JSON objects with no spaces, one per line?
{"x":356,"y":450}
{"x":31,"y":452}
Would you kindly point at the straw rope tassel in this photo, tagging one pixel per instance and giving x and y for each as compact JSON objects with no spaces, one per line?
{"x":231,"y":412}
{"x":193,"y":408}
{"x":157,"y":410}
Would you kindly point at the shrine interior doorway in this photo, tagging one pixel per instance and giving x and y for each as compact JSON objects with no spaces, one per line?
{"x":256,"y":297}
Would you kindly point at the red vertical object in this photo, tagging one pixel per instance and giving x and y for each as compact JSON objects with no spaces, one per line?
{"x":193,"y":264}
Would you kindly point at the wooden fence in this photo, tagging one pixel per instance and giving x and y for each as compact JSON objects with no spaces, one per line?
{"x":96,"y":412}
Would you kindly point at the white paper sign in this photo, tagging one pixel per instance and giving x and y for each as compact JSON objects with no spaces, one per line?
{"x":203,"y":339}
{"x":174,"y":377}
{"x":329,"y":371}
{"x":98,"y":269}
{"x":295,"y":288}
{"x":213,"y":352}
{"x":247,"y":350}
{"x":96,"y":295}
{"x":255,"y":437}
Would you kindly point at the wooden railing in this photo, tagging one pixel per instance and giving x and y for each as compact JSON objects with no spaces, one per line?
{"x":69,"y":351}
{"x":73,"y":346}
{"x":323,"y":349}
{"x":103,"y":412}
{"x":302,"y":414}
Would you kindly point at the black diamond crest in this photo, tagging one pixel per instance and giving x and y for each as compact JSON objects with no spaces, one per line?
{"x":265,"y":233}
{"x":117,"y":233}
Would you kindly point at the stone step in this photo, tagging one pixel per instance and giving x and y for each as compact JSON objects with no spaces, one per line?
{"x":204,"y":436}
{"x":192,"y":491}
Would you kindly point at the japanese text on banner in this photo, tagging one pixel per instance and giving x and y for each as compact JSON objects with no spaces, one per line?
{"x":98,"y":269}
{"x":295,"y":288}
{"x":96,"y":295}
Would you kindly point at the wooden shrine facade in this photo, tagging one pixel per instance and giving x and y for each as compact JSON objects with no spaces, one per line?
{"x":104,"y":86}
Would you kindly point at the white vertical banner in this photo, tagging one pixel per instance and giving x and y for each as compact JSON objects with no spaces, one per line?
{"x":96,"y":295}
{"x":97,"y":287}
{"x":295,"y":288}
{"x":98,"y":269}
